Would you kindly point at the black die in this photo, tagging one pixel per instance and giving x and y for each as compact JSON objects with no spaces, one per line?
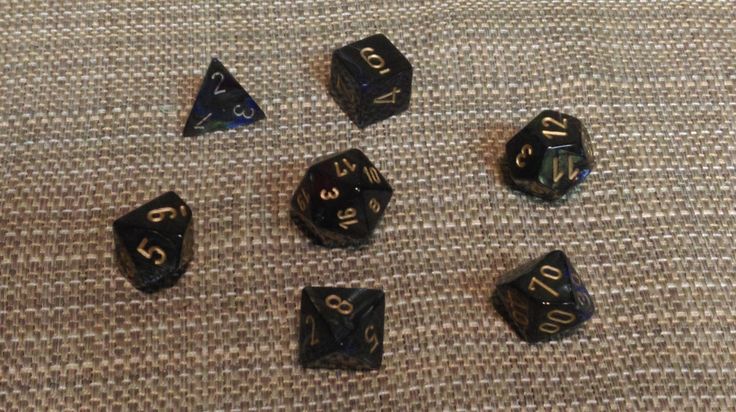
{"x":370,"y":80}
{"x":341,"y":328}
{"x":550,"y":155}
{"x":154,"y":243}
{"x":341,"y":199}
{"x":543,"y":298}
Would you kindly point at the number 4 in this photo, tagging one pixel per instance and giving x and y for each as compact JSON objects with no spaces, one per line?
{"x":388,"y":98}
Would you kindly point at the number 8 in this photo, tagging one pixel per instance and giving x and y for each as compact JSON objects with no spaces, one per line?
{"x":337,"y":303}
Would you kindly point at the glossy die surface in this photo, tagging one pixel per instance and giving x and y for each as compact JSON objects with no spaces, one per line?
{"x":154,"y":243}
{"x":370,"y":80}
{"x":543,"y":298}
{"x":341,"y":199}
{"x":341,"y":328}
{"x":221,"y":104}
{"x":550,"y":155}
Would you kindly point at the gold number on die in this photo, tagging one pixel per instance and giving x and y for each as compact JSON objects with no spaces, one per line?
{"x":148,"y":253}
{"x":347,"y":217}
{"x":335,"y":302}
{"x":333,"y":194}
{"x":371,"y":337}
{"x":349,"y":168}
{"x":523,"y":155}
{"x":374,"y":60}
{"x":549,"y":122}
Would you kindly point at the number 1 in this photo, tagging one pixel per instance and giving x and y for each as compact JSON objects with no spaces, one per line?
{"x":200,"y":125}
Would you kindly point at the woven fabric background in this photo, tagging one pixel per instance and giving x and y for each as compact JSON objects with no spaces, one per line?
{"x":93,"y":99}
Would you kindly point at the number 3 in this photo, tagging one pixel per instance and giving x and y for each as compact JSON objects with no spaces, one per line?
{"x":242,"y":113}
{"x":524,"y":154}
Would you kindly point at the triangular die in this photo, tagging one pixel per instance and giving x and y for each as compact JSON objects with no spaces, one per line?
{"x":221,"y":104}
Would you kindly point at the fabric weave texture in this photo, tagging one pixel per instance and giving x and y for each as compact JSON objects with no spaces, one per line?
{"x":94,"y":96}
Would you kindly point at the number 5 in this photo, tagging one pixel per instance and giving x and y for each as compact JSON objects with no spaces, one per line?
{"x":371,"y":337}
{"x":148,"y":253}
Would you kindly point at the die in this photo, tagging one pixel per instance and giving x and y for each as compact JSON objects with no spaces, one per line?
{"x":341,"y":199}
{"x":221,"y":104}
{"x":341,"y":328}
{"x":154,"y":243}
{"x":550,"y":155}
{"x":543,"y":298}
{"x":370,"y":80}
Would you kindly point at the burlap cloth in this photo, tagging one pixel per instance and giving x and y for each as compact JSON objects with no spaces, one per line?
{"x":93,"y":97}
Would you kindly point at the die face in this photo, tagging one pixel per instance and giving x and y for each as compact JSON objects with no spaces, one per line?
{"x":221,"y":104}
{"x":341,"y":199}
{"x":544,"y":297}
{"x":371,"y":80}
{"x":372,"y":59}
{"x":341,"y":328}
{"x":147,"y":259}
{"x":154,"y":242}
{"x":344,"y":88}
{"x":167,"y":214}
{"x":550,"y":155}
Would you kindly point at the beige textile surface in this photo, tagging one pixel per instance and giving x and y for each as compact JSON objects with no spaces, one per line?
{"x":93,"y":99}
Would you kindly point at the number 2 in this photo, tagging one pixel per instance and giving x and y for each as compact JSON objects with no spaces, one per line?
{"x":222,"y":78}
{"x":313,"y":338}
